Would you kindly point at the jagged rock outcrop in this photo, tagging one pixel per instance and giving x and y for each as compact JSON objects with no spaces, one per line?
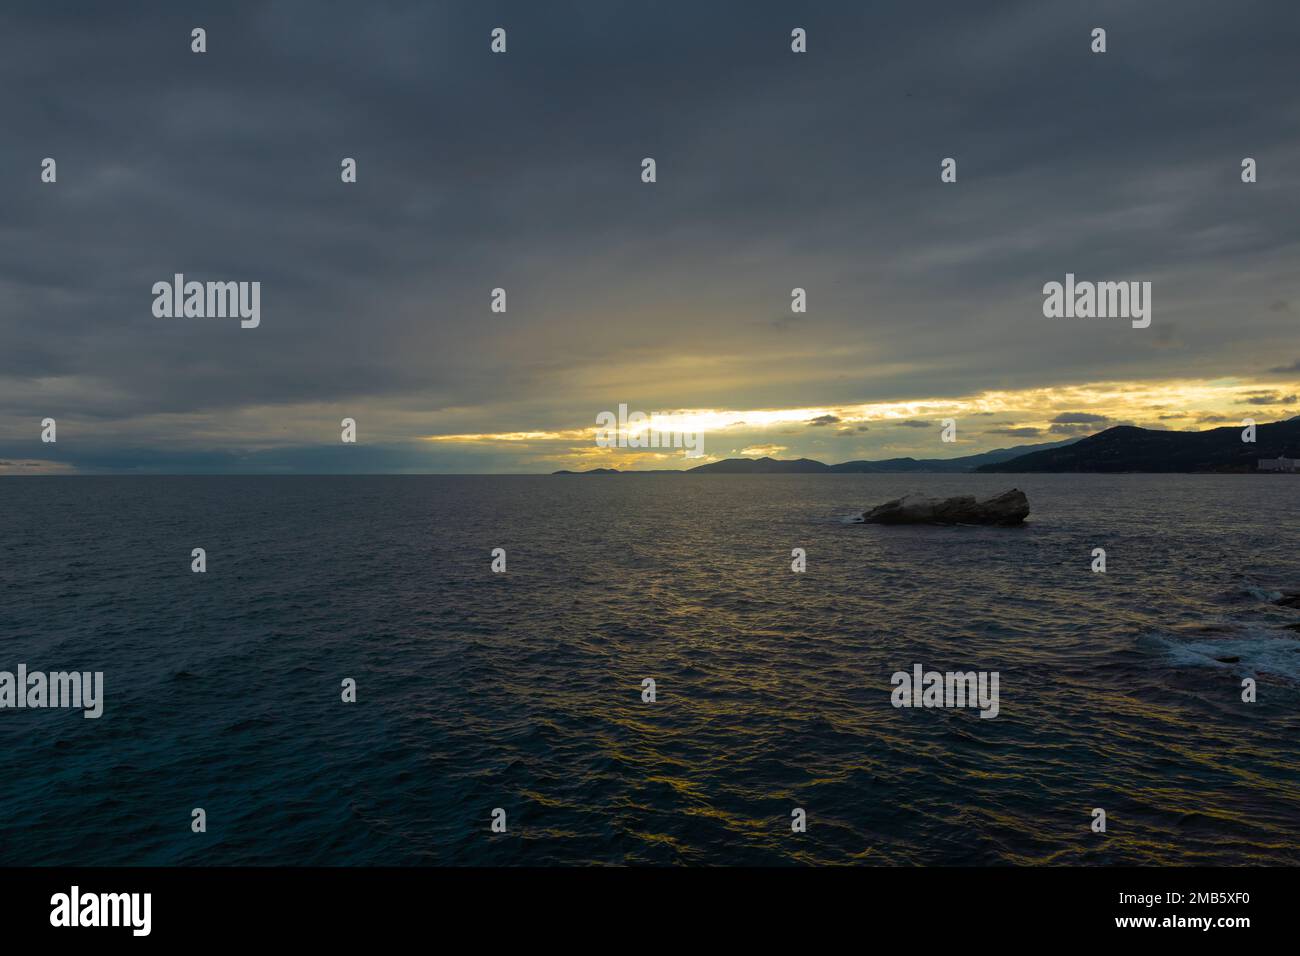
{"x":1008,"y":508}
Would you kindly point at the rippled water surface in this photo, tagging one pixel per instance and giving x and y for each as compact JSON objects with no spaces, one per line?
{"x":523,"y":690}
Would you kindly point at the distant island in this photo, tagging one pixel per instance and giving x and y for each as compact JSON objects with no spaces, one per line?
{"x":1123,"y":448}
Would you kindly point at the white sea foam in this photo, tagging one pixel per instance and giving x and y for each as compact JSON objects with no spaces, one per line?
{"x":1257,"y":652}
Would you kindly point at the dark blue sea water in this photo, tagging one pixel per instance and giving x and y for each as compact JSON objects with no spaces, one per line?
{"x":523,"y":690}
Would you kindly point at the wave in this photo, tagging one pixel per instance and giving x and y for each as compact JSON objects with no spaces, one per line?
{"x":1248,"y":650}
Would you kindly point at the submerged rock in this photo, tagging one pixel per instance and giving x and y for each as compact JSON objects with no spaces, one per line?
{"x":1008,"y":508}
{"x":1288,"y":599}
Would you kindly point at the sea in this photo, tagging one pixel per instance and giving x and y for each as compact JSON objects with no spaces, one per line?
{"x":518,"y":696}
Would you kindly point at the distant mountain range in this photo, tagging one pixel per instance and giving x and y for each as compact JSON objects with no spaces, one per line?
{"x":772,"y":466}
{"x":1127,"y":448}
{"x":807,"y":466}
{"x":1124,"y":448}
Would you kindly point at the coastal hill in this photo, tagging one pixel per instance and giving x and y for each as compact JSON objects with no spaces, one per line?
{"x":807,"y":466}
{"x":769,"y":466}
{"x":1126,"y":448}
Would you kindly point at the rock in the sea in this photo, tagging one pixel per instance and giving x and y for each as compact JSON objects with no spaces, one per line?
{"x":1010,"y":507}
{"x":1289,"y":599}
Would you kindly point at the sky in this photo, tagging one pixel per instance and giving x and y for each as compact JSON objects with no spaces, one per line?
{"x":523,"y":171}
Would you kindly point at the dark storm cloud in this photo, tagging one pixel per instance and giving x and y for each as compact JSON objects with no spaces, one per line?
{"x":522,"y":171}
{"x":1022,"y":432}
{"x":1268,"y":398}
{"x":1069,"y":418}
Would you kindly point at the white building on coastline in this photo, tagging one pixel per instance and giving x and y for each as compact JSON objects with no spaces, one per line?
{"x":1279,"y":464}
